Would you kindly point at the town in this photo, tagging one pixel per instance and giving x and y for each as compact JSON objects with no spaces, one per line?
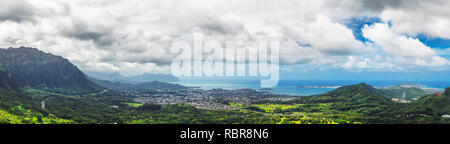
{"x":214,"y":99}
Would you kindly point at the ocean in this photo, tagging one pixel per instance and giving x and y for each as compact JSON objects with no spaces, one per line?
{"x":302,"y":87}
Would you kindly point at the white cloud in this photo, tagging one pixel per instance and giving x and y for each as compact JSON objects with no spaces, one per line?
{"x":445,"y":52}
{"x":426,"y":17}
{"x":402,"y":49}
{"x":328,"y":37}
{"x":135,"y":36}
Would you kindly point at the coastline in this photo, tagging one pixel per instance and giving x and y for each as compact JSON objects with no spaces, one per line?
{"x":300,"y":87}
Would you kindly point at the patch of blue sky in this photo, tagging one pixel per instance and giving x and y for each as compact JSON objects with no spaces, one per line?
{"x":441,"y":45}
{"x":357,"y":23}
{"x":303,"y":44}
{"x":433,"y":42}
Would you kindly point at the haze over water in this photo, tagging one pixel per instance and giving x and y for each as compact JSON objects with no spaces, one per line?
{"x":302,"y":87}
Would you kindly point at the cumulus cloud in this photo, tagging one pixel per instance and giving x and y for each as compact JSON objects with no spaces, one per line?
{"x":394,"y":43}
{"x":444,"y":52}
{"x":17,"y":11}
{"x":403,"y":49}
{"x":420,"y":17}
{"x":379,"y":5}
{"x":412,"y":17}
{"x":329,"y":37}
{"x":135,"y":36}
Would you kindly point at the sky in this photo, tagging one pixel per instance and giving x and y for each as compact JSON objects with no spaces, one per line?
{"x":333,"y":39}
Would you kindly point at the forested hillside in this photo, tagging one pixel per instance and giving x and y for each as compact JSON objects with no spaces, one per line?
{"x":34,"y":68}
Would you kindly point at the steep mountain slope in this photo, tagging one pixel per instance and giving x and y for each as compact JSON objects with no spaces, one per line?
{"x":34,"y":68}
{"x":8,"y":92}
{"x":18,"y":108}
{"x":6,"y":84}
{"x":431,"y":105}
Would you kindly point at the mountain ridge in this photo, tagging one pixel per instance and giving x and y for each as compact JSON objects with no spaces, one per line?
{"x":34,"y":68}
{"x":351,"y":92}
{"x":146,"y":77}
{"x":152,"y":85}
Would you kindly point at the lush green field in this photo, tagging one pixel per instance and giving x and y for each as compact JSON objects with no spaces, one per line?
{"x":270,"y":108}
{"x":132,"y":104}
{"x":23,"y":116}
{"x":320,"y":113}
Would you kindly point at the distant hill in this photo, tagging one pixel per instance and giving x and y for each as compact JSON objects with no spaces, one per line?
{"x":411,"y":93}
{"x":360,"y":93}
{"x":34,"y":68}
{"x":147,"y":77}
{"x":432,"y":105}
{"x":360,"y":98}
{"x":159,"y":85}
{"x":136,"y":86}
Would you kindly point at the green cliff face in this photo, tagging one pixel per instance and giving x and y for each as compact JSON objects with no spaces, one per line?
{"x":6,"y":84}
{"x":37,"y":69}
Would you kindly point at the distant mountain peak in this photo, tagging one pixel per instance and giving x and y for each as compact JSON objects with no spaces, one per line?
{"x":146,"y":77}
{"x":362,"y":87}
{"x":26,"y":49}
{"x":359,"y":97}
{"x":361,"y":92}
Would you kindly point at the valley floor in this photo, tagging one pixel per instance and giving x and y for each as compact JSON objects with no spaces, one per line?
{"x":194,"y":106}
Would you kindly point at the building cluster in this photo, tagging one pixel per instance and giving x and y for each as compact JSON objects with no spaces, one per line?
{"x":215,"y":99}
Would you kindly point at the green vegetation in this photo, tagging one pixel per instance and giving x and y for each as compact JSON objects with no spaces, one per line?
{"x":271,"y":108}
{"x":411,"y":93}
{"x":430,"y":108}
{"x":360,"y":99}
{"x":37,"y":69}
{"x":23,"y":116}
{"x":131,"y":104}
{"x":40,"y":88}
{"x":186,"y":114}
{"x":362,"y":106}
{"x":146,"y":86}
{"x":307,"y":114}
{"x":236,"y":105}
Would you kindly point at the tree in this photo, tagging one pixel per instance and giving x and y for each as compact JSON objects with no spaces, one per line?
{"x":151,"y":107}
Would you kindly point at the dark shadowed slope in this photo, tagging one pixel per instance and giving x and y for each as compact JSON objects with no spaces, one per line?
{"x":6,"y":84}
{"x":34,"y":68}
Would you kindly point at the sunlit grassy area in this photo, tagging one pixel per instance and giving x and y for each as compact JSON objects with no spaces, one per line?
{"x":29,"y":117}
{"x":133,"y":104}
{"x":270,"y":108}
